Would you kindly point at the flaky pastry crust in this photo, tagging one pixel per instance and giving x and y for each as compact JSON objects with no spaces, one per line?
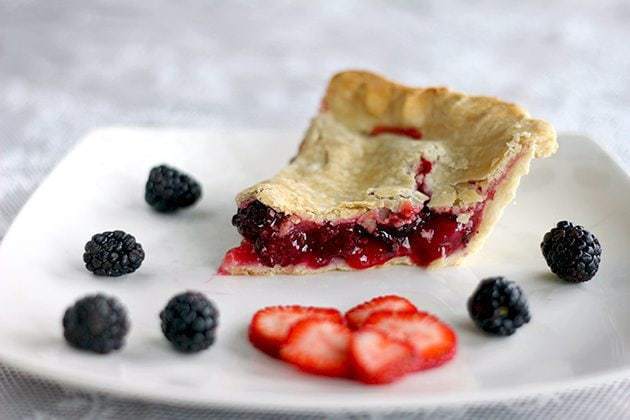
{"x":475,"y":144}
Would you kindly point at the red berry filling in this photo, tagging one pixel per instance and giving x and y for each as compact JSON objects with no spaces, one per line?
{"x":411,"y":132}
{"x":273,"y":238}
{"x":424,"y":168}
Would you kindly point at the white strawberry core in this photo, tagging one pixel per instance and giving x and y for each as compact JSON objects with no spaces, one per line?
{"x":375,"y":351}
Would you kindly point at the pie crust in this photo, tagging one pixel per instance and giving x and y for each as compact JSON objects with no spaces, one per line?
{"x":362,"y":152}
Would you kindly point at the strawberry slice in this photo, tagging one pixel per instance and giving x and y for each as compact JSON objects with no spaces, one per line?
{"x":433,"y":341}
{"x":356,"y":316}
{"x":318,"y":346}
{"x":270,"y":326}
{"x":376,"y":358}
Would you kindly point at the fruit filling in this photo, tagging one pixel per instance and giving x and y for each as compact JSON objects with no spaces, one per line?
{"x":411,"y":132}
{"x":273,"y":238}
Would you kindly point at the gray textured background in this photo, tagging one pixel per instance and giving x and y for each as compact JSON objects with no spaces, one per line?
{"x":69,"y":66}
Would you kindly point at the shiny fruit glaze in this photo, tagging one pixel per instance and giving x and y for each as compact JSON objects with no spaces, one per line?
{"x":411,"y":132}
{"x":275,"y":239}
{"x":241,"y":255}
{"x":423,"y":169}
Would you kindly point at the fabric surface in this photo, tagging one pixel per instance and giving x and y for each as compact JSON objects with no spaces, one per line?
{"x":67,"y":67}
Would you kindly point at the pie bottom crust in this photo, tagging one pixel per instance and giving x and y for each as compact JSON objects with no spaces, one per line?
{"x":504,"y":194}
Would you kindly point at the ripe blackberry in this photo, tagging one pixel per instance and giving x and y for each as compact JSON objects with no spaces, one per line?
{"x":252,"y":219}
{"x":189,"y":321}
{"x":498,"y":306}
{"x":96,"y":323}
{"x":113,"y":254}
{"x":572,"y":252}
{"x":168,"y":189}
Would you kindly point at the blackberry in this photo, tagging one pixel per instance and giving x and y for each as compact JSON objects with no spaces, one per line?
{"x":168,"y":189}
{"x":498,"y":306}
{"x":113,"y":254}
{"x":96,"y":323}
{"x":252,"y":219}
{"x":572,"y":252}
{"x":189,"y":321}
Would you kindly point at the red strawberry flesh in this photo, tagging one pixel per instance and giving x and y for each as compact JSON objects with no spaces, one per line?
{"x":356,"y":316}
{"x":433,"y":341}
{"x":270,"y":326}
{"x":318,"y":346}
{"x":378,"y":359}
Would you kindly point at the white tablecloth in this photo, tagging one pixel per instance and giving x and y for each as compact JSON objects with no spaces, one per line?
{"x":66,"y":67}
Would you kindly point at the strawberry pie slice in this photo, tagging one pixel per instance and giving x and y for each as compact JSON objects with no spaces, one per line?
{"x":388,"y":174}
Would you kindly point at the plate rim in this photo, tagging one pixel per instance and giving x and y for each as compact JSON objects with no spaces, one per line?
{"x":131,"y":391}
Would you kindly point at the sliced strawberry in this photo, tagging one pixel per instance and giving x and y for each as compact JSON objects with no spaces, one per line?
{"x":270,"y":326}
{"x":318,"y":346}
{"x":376,"y":358}
{"x":356,"y":316}
{"x":433,"y":341}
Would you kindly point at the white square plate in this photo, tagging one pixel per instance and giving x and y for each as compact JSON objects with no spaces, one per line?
{"x":579,"y":334}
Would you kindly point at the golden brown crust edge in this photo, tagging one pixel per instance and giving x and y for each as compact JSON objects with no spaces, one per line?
{"x":488,"y":132}
{"x":363,"y":100}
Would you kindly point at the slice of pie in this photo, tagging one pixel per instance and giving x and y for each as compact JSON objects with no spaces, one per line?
{"x":388,"y":174}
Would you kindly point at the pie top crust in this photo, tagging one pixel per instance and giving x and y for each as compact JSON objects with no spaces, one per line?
{"x":342,"y":171}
